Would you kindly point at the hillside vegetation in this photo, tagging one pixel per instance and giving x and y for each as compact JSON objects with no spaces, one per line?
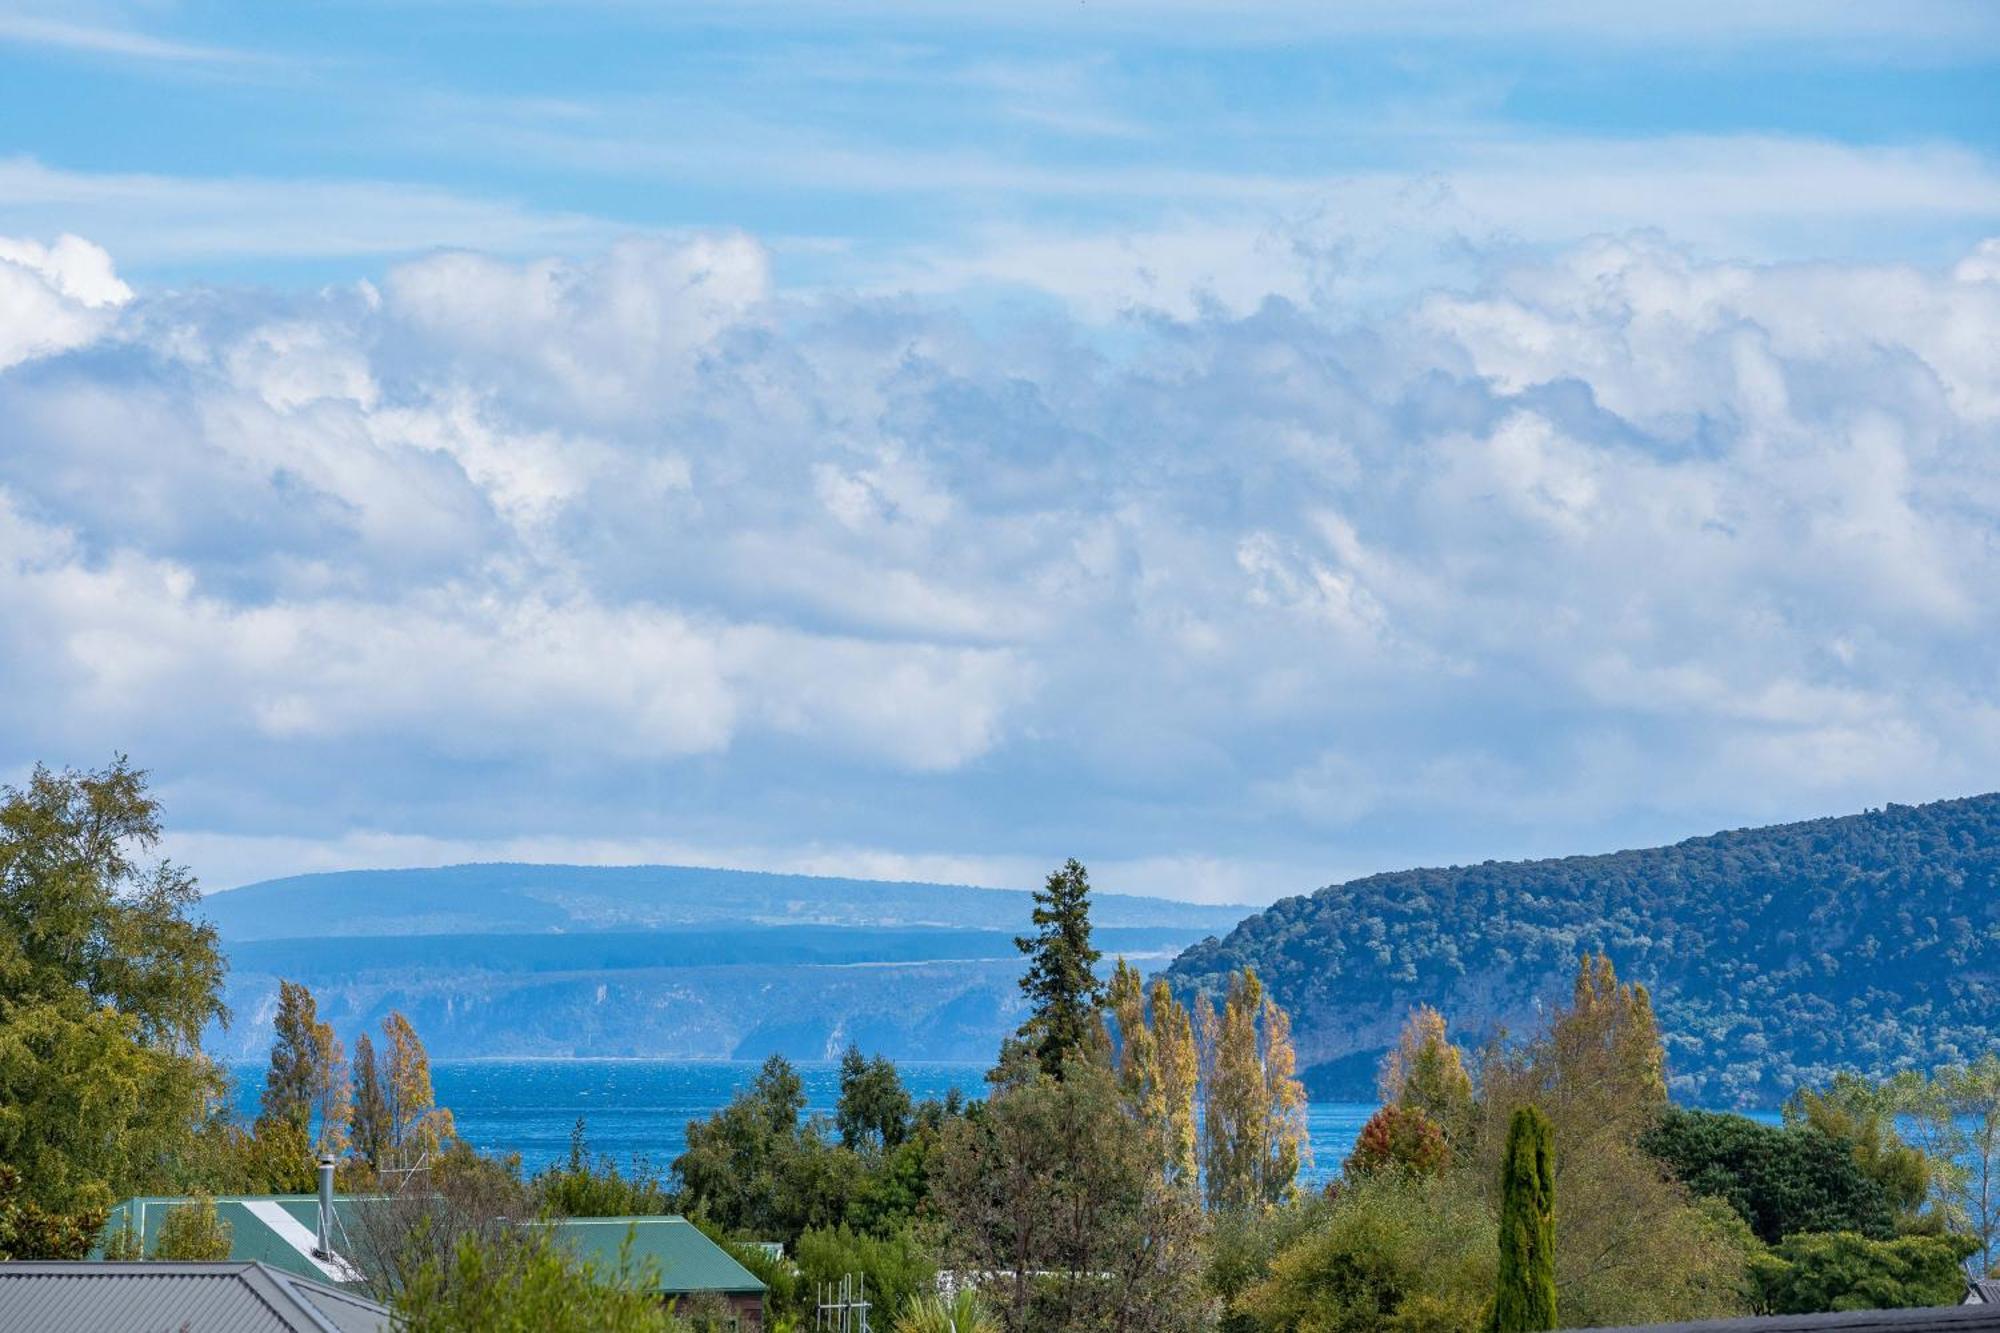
{"x":1776,"y":955}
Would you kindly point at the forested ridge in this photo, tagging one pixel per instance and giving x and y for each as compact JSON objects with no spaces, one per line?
{"x":1776,"y":956}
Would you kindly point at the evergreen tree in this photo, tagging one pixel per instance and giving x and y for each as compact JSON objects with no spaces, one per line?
{"x":874,"y":1109}
{"x":1064,"y":994}
{"x":1525,"y":1300}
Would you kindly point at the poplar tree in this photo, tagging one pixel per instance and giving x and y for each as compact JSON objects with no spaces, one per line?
{"x":1138,"y":1056}
{"x":1063,"y":991}
{"x":307,"y":1082}
{"x":1525,"y":1299}
{"x":1253,"y":1107}
{"x":370,"y":1129}
{"x":1179,"y":1065}
{"x":418,"y":1126}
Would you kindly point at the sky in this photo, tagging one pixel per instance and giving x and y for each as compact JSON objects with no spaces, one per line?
{"x":1241,"y":445}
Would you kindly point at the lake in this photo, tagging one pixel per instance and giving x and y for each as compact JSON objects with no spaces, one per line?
{"x":640,"y":1108}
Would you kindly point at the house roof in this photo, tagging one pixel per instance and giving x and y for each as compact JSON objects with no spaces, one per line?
{"x":92,"y":1297}
{"x":276,"y":1229}
{"x":1983,"y":1289}
{"x":688,"y":1260}
{"x":280,"y":1230}
{"x":1946,"y":1318}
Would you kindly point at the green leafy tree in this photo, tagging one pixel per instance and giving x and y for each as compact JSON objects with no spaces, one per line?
{"x":1811,"y":1272}
{"x":105,"y":985}
{"x":29,"y":1231}
{"x":874,"y":1109}
{"x":307,"y":1084}
{"x":1524,"y":1298}
{"x":1064,"y":994}
{"x":1055,"y":1191}
{"x":756,"y":1169}
{"x":521,"y":1281}
{"x":1956,"y":1115}
{"x":1862,"y":1112}
{"x":896,"y":1267}
{"x":1388,"y":1253}
{"x":193,"y":1231}
{"x":369,"y":1128}
{"x":1780,"y":1180}
{"x":581,"y":1186}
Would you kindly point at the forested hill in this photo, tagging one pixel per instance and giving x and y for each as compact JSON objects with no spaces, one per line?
{"x":1776,"y":955}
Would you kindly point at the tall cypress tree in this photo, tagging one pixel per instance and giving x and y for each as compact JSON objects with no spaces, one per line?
{"x":1526,"y":1299}
{"x":1061,"y":985}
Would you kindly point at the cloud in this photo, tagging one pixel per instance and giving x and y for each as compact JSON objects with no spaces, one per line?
{"x":29,"y":30}
{"x":641,"y":551}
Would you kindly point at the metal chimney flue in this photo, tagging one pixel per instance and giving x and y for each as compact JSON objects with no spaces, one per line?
{"x":325,"y":1250}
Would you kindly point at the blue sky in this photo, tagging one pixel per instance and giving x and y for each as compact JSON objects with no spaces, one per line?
{"x":1242,"y":445}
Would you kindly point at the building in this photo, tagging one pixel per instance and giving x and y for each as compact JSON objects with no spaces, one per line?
{"x":690,"y":1265}
{"x":281,"y":1231}
{"x":98,"y":1297}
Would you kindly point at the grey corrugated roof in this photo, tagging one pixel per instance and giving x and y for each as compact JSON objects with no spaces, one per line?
{"x":161,"y":1297}
{"x":1951,"y":1318}
{"x":1983,"y":1289}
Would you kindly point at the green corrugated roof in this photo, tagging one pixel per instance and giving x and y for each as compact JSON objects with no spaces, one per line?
{"x":688,"y":1260}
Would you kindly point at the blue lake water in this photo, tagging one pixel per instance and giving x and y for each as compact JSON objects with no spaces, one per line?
{"x":640,"y":1108}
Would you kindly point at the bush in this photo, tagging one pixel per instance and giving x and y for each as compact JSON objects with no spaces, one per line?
{"x":1809,"y":1273}
{"x":192,"y":1231}
{"x":522,"y":1282}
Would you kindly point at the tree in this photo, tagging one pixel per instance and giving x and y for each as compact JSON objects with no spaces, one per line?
{"x":874,"y":1109}
{"x":1061,"y":984}
{"x":1956,"y":1116}
{"x":1812,"y":1272}
{"x":1398,"y":1138}
{"x":1253,"y":1111}
{"x":369,"y":1127}
{"x":29,"y":1231}
{"x":581,"y":1187}
{"x":520,"y":1281}
{"x":307,"y":1083}
{"x":1781,"y":1180}
{"x":1524,"y":1297}
{"x":1426,"y":1073}
{"x":1054,"y":1191}
{"x":419,"y":1129}
{"x":1863,"y":1113}
{"x":105,"y":985}
{"x":754,"y":1168}
{"x":193,"y":1231}
{"x":1391,"y":1252}
{"x":1177,"y":1060}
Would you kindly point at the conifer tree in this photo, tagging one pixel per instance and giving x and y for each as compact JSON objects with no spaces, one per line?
{"x":1063,"y":991}
{"x":1525,"y":1299}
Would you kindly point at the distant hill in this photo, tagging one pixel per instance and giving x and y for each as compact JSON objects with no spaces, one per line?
{"x":1776,"y":955}
{"x":516,"y":898}
{"x":494,"y":960}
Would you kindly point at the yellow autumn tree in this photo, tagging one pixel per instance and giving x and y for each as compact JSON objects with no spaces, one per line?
{"x":1253,"y":1107}
{"x":1426,"y":1073}
{"x":418,"y":1128}
{"x":1179,"y":1065}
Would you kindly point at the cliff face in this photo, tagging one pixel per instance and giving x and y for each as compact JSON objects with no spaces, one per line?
{"x":666,"y":961}
{"x":1776,"y":955}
